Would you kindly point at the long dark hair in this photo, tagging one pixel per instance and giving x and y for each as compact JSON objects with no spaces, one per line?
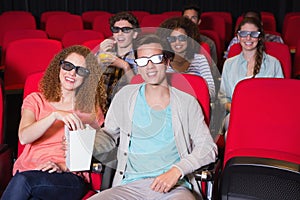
{"x":260,"y":48}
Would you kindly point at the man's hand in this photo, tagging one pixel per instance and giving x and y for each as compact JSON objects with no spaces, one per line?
{"x":166,"y":181}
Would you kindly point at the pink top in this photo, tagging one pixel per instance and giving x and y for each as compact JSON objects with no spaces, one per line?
{"x":49,"y":146}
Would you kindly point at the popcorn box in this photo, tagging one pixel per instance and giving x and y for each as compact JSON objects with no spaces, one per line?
{"x":80,"y":144}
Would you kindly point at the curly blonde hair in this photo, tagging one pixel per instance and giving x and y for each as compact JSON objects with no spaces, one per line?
{"x":91,"y":95}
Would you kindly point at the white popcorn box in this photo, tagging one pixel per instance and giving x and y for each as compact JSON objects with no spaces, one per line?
{"x":80,"y":148}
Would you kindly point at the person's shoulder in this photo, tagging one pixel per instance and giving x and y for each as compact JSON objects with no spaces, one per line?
{"x":198,"y":56}
{"x":232,"y":59}
{"x":35,"y":95}
{"x":270,"y":58}
{"x":128,"y":89}
{"x":182,"y":95}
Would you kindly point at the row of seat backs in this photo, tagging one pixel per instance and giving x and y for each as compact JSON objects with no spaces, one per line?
{"x":68,"y":28}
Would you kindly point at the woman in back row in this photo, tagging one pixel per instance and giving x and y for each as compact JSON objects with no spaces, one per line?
{"x":252,"y":62}
{"x":183,"y":38}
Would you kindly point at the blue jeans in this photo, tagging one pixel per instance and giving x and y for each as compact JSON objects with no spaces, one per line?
{"x":43,"y":185}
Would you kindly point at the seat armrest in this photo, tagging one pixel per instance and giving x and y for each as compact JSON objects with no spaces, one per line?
{"x":208,"y":172}
{"x":208,"y":176}
{"x":6,"y":165}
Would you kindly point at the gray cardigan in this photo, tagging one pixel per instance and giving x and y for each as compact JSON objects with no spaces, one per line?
{"x":193,"y":140}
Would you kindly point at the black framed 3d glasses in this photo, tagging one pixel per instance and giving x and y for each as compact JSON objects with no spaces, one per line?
{"x":253,"y":34}
{"x":81,"y":71}
{"x":181,"y":38}
{"x":125,"y":29}
{"x":155,"y":59}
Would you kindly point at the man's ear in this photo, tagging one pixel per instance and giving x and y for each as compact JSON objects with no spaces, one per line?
{"x":135,"y":34}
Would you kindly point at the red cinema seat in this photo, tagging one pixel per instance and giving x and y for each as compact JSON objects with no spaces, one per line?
{"x":6,"y":155}
{"x":101,"y":24}
{"x":58,"y":25}
{"x":45,"y":16}
{"x":228,"y":22}
{"x":94,"y":45}
{"x":291,"y":33}
{"x":80,"y":36}
{"x":215,"y":23}
{"x":139,"y":14}
{"x":262,"y":145}
{"x":269,"y":21}
{"x":89,"y":16}
{"x":152,"y":21}
{"x":26,"y":56}
{"x":15,"y":22}
{"x":175,"y":13}
{"x":13,"y":35}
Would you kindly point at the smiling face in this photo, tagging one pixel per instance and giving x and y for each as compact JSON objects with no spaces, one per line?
{"x":179,"y":47}
{"x":69,"y":79}
{"x":154,"y":74}
{"x":248,"y":43}
{"x":124,"y":40}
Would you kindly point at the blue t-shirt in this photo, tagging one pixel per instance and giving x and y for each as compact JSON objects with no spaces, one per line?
{"x":152,"y":150}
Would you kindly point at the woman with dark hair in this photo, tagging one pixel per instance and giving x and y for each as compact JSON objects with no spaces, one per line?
{"x":71,"y":95}
{"x":252,"y":62}
{"x":183,"y":38}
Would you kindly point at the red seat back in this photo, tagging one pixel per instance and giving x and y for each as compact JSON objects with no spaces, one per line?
{"x":287,"y":17}
{"x":24,"y":57}
{"x":153,"y":20}
{"x":80,"y":36}
{"x":291,"y":33}
{"x":45,"y":16}
{"x":269,"y":21}
{"x":57,"y":26}
{"x":13,"y":35}
{"x":89,"y":16}
{"x":31,"y":85}
{"x":139,"y":14}
{"x":191,"y":84}
{"x":101,"y":24}
{"x":174,"y":13}
{"x":205,"y":50}
{"x":296,"y":67}
{"x":15,"y":22}
{"x":1,"y":112}
{"x":216,"y":38}
{"x":94,"y":45}
{"x":228,"y":22}
{"x":215,"y":23}
{"x":260,"y":129}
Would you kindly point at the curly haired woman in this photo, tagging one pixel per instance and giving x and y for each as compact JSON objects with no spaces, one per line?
{"x":183,"y":38}
{"x":71,"y":95}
